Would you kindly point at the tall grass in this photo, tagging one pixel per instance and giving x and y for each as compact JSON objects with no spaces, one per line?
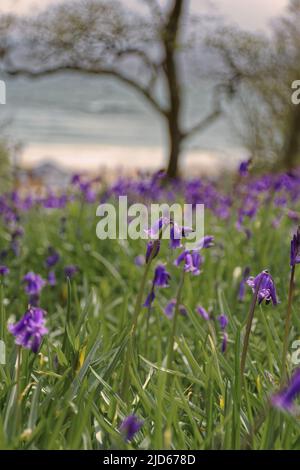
{"x":189,"y":397}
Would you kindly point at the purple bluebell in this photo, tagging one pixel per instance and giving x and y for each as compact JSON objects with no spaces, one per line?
{"x":161,"y":279}
{"x":149,"y":299}
{"x":76,"y":179}
{"x":285,"y":399}
{"x":192,"y":261}
{"x":295,"y":249}
{"x":224,"y":342}
{"x":152,"y":250}
{"x":177,"y":233}
{"x":52,"y":258}
{"x":51,"y":279}
{"x":202,"y":312}
{"x":223,"y":321}
{"x":29,"y":331}
{"x":206,"y":242}
{"x":169,"y":310}
{"x":244,"y":167}
{"x":130,"y":426}
{"x":161,"y":276}
{"x":155,"y":229}
{"x":34,"y":283}
{"x":70,"y":271}
{"x":266,"y":287}
{"x":4,"y":271}
{"x":139,"y":260}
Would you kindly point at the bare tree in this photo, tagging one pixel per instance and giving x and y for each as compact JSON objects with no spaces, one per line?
{"x":97,"y":37}
{"x":264,"y":67}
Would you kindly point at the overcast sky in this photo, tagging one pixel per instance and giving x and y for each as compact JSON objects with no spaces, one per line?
{"x":252,"y":14}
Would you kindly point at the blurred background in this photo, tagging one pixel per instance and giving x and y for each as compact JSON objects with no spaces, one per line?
{"x":143,"y":84}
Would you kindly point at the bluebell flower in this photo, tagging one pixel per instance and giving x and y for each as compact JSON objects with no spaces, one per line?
{"x":139,"y":260}
{"x":152,"y":250}
{"x":206,"y":242}
{"x":295,"y":249}
{"x":161,"y":276}
{"x":192,"y":261}
{"x":170,"y":309}
{"x":52,"y":258}
{"x":223,"y":321}
{"x":244,"y":167}
{"x":70,"y":271}
{"x":177,"y":232}
{"x":34,"y":283}
{"x":285,"y":399}
{"x":149,"y":299}
{"x":130,"y":426}
{"x":266,"y":287}
{"x":155,"y":229}
{"x":224,"y":342}
{"x":52,"y":279}
{"x":202,"y":312}
{"x":161,"y":279}
{"x":4,"y":271}
{"x":30,"y":330}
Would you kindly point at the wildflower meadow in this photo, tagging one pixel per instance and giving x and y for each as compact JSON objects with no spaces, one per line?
{"x":148,"y":343}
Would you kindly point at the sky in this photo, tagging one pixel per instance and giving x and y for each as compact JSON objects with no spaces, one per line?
{"x":250,"y":14}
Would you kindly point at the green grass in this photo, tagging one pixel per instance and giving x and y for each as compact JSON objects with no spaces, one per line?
{"x":71,"y":392}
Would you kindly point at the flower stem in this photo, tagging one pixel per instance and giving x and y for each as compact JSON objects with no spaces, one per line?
{"x":139,"y":300}
{"x":170,"y":353}
{"x":18,"y":388}
{"x":68,"y":315}
{"x":287,"y":326}
{"x":2,"y":313}
{"x":248,"y":327}
{"x":137,"y":309}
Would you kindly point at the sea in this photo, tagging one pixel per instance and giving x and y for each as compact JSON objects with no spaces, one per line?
{"x":87,"y":123}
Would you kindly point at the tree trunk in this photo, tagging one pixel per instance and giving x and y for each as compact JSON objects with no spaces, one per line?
{"x":174,"y":147}
{"x":172,"y":73}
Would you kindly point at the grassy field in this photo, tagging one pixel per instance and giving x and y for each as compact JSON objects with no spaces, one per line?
{"x":106,"y":357}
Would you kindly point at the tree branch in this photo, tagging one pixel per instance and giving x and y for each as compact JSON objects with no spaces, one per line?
{"x":144,"y":91}
{"x":138,"y":53}
{"x":205,"y":122}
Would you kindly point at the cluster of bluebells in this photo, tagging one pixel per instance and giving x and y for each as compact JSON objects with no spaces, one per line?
{"x":281,"y":190}
{"x":191,"y":259}
{"x":86,"y":187}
